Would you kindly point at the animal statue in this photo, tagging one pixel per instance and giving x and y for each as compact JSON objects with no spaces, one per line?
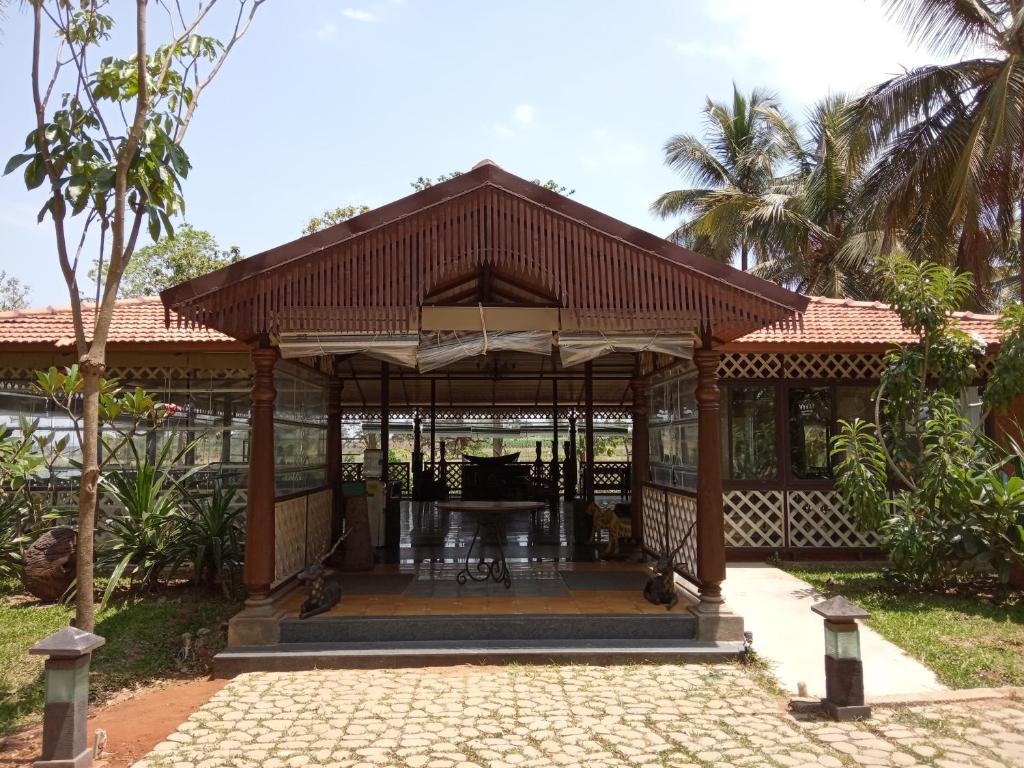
{"x":324,"y":588}
{"x":605,"y":519}
{"x":660,"y":589}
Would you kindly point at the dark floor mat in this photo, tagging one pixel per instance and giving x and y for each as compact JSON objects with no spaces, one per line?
{"x":612,"y":581}
{"x":370,"y":584}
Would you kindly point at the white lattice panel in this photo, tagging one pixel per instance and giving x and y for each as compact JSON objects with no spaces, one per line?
{"x":834,"y":366}
{"x":318,"y":525}
{"x":654,"y":518}
{"x":817,"y":519}
{"x":742,"y":365}
{"x":289,"y":538}
{"x":754,"y":518}
{"x":678,"y":511}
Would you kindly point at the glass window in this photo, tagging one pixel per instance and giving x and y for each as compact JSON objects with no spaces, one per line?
{"x":752,"y":432}
{"x":672,"y":428}
{"x":810,"y":431}
{"x":855,"y":403}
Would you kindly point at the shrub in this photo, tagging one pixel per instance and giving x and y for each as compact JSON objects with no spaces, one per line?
{"x":954,"y":509}
{"x":208,"y":535}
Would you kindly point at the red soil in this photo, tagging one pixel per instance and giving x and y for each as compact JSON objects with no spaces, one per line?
{"x":135,"y":723}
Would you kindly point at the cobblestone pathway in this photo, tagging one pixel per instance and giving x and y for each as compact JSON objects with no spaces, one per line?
{"x":673,"y":716}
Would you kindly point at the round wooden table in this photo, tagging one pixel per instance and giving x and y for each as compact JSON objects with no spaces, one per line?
{"x":489,"y":516}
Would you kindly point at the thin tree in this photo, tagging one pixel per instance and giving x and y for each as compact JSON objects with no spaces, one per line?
{"x":107,"y":148}
{"x":745,"y":144}
{"x":950,"y":173}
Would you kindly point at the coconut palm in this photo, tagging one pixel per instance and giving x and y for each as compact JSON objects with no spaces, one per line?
{"x":745,"y":144}
{"x":949,"y":175}
{"x":822,"y":245}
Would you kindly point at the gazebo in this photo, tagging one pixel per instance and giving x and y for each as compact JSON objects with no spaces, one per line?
{"x":485,"y":294}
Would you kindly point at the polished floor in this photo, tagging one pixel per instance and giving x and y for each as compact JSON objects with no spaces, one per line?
{"x":555,"y":569}
{"x":431,"y":535}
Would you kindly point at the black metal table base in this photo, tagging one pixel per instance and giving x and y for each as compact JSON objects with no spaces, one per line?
{"x":495,"y":569}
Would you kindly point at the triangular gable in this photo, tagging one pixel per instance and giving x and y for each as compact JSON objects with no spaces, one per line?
{"x":373,"y":272}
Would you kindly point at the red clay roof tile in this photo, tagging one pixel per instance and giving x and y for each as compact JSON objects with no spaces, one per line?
{"x":847,"y":324}
{"x":840,"y":323}
{"x":136,"y":321}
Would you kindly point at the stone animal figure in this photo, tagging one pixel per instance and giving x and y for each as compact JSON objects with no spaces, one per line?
{"x":660,"y":589}
{"x":605,"y":519}
{"x":324,"y":589}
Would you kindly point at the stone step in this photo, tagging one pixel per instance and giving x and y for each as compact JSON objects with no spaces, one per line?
{"x":558,"y":628}
{"x":291,"y":657}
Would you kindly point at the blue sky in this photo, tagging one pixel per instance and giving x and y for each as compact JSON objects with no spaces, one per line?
{"x":331,"y":103}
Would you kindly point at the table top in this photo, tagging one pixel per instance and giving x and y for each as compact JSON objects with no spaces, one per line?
{"x":491,"y":506}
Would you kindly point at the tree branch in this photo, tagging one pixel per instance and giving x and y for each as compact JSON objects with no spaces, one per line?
{"x":57,"y":212}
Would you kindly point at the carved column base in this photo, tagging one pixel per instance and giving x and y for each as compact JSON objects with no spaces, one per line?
{"x":716,"y":622}
{"x":259,"y":622}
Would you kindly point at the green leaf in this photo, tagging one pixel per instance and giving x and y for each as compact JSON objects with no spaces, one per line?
{"x":17,"y":161}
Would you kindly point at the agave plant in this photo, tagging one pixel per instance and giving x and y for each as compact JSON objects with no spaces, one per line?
{"x":139,"y":541}
{"x":208,"y":534}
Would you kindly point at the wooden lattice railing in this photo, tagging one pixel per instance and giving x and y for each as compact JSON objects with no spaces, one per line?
{"x":302,"y":531}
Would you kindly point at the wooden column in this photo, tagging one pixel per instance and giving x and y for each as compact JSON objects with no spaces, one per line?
{"x":259,"y":517}
{"x":710,"y":517}
{"x":392,"y":510}
{"x":588,"y":433}
{"x":555,"y":468}
{"x":571,"y":464}
{"x":385,"y":420}
{"x":640,"y":471}
{"x":334,"y":455}
{"x":433,"y":423}
{"x":417,"y":454}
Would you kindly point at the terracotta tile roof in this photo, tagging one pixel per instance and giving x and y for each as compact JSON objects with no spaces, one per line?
{"x":136,"y":322}
{"x":841,"y":324}
{"x":846,"y":324}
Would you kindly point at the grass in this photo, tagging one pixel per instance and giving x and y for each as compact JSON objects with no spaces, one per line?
{"x":143,"y":634}
{"x":971,"y":639}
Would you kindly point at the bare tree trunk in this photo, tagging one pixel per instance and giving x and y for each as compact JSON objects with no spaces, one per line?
{"x":744,"y":250}
{"x":92,"y":372}
{"x":1020,"y":250}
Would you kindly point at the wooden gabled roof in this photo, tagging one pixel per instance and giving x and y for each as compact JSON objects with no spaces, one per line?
{"x":372,"y":273}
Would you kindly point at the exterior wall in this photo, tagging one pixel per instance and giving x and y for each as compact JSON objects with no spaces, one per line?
{"x":772,"y":503}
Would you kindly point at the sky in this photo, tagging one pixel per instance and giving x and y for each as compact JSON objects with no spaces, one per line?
{"x":326,"y":104}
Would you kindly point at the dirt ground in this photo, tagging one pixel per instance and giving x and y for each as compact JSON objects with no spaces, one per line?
{"x":134,"y":723}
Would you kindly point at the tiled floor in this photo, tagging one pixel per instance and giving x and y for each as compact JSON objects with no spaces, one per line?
{"x":582,"y":601}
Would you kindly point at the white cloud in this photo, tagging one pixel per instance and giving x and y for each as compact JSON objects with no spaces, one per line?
{"x":360,"y":14}
{"x":524,"y":113}
{"x":700,"y":50}
{"x":327,"y":32}
{"x":804,"y":49}
{"x":502,"y":131}
{"x":603,"y":149}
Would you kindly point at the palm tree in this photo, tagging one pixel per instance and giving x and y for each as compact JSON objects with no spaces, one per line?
{"x":822,"y":245}
{"x":949,"y":175}
{"x":746,"y":143}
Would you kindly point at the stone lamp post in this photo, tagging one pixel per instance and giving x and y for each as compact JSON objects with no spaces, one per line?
{"x":67,"y":697}
{"x":844,"y":671}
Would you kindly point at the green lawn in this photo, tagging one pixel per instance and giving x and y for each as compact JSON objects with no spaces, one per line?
{"x":971,"y":639}
{"x":144,"y":636}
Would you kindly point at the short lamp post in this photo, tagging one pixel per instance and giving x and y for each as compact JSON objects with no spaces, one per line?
{"x":67,"y":697}
{"x":844,"y":671}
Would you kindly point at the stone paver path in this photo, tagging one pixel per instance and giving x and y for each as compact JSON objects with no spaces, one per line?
{"x":672,"y":716}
